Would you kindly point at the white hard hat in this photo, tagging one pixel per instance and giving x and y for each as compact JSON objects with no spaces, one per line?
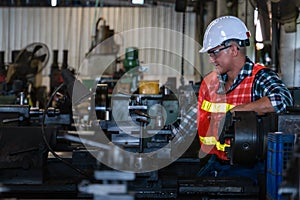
{"x":224,"y":29}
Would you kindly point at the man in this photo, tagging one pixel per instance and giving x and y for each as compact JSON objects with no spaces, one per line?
{"x":236,"y":84}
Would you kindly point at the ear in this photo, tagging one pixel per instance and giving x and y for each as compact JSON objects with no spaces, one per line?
{"x":235,"y":50}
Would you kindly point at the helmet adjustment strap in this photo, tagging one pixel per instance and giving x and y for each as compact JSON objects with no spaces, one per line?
{"x":241,"y":43}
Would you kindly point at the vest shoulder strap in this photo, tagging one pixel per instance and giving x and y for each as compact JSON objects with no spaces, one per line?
{"x":257,"y":67}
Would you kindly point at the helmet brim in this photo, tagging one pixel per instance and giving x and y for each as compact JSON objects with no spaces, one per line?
{"x":204,"y":50}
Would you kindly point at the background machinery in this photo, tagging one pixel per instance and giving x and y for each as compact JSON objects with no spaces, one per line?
{"x":116,"y":154}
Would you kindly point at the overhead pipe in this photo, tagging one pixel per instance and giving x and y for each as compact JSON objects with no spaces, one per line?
{"x":275,"y":36}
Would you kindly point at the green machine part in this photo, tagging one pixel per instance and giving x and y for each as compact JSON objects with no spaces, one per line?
{"x":131,"y":58}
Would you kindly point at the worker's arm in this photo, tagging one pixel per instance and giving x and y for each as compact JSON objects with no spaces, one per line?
{"x":260,"y":106}
{"x":270,"y":94}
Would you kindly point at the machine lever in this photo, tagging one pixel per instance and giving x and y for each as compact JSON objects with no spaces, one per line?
{"x":13,"y":120}
{"x":143,"y":123}
{"x":138,"y":112}
{"x":24,"y":151}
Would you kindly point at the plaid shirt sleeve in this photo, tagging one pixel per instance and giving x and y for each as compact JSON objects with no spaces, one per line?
{"x":267,"y":83}
{"x":188,"y":124}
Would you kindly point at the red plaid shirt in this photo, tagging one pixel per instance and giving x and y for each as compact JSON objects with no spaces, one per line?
{"x":213,"y":106}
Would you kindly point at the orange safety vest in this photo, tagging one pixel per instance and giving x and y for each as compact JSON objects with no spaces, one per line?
{"x":213,"y":107}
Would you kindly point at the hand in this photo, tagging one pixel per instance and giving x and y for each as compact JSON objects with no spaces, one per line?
{"x":224,"y":127}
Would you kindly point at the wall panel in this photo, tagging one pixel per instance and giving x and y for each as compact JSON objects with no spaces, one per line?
{"x":72,"y":29}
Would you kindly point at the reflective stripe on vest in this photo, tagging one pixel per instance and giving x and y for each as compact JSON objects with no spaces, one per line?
{"x":216,"y":107}
{"x":212,"y":141}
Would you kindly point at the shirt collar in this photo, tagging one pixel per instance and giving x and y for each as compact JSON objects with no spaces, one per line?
{"x":245,"y":71}
{"x":247,"y":68}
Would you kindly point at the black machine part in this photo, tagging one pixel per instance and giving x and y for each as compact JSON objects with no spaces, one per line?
{"x":24,"y":154}
{"x":248,"y":141}
{"x":248,"y":136}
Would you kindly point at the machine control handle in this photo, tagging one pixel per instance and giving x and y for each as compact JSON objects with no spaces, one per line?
{"x":142,"y":121}
{"x":138,"y":112}
{"x":5,"y":121}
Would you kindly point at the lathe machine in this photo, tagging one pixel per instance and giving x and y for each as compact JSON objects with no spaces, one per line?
{"x":118,"y":146}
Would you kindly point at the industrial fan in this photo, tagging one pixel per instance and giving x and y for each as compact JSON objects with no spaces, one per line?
{"x":29,"y":62}
{"x":25,"y":74}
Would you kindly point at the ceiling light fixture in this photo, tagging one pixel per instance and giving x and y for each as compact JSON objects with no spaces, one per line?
{"x":53,"y":3}
{"x":141,"y":2}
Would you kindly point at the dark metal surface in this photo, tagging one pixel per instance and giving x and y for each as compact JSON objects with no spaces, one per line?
{"x":247,"y":132}
{"x":23,"y":154}
{"x":245,"y":144}
{"x":219,"y":187}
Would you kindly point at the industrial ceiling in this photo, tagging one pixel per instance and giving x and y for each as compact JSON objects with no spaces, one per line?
{"x":87,"y":3}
